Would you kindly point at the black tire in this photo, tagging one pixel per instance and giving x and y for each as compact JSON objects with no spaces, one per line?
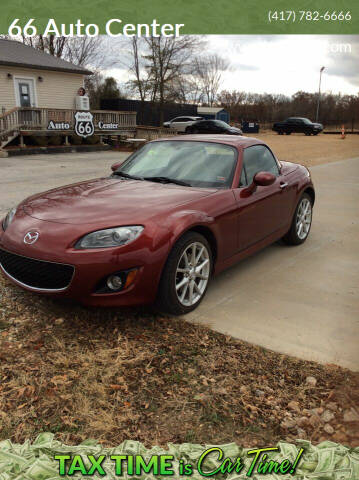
{"x":167,"y":300}
{"x":288,"y":133}
{"x":307,"y":134}
{"x":188,"y":130}
{"x":291,"y":237}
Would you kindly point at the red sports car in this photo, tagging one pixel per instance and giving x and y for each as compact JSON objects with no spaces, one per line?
{"x":155,"y":231}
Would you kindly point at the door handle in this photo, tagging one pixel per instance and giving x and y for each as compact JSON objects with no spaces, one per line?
{"x":283,"y":185}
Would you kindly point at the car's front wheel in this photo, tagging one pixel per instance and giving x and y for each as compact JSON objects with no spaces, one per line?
{"x":301,"y":223}
{"x":186,"y":275}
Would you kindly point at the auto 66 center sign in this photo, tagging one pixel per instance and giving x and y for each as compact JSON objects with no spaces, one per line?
{"x":84,"y":126}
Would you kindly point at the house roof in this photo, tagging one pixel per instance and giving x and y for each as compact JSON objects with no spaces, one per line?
{"x":209,"y":109}
{"x":14,"y":53}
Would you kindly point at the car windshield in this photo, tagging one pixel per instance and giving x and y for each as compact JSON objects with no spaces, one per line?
{"x":198,"y":164}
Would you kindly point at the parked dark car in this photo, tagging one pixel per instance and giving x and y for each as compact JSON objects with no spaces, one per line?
{"x":213,"y":126}
{"x":297,"y":125}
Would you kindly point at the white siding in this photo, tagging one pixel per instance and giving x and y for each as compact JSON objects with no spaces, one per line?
{"x":57,"y":90}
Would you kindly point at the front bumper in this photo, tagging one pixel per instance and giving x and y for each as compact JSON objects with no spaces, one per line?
{"x":90,"y":267}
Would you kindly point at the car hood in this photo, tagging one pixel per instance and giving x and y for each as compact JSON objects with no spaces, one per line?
{"x":109,"y":201}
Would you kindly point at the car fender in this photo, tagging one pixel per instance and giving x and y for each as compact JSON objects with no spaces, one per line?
{"x":176,"y":225}
{"x":304,"y":182}
{"x":184,"y":220}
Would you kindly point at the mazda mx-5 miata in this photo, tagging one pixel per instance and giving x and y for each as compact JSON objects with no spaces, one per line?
{"x":157,"y":229}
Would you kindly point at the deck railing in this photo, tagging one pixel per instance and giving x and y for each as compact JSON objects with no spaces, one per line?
{"x":9,"y":121}
{"x":152,"y":133}
{"x":34,"y":121}
{"x":34,"y":118}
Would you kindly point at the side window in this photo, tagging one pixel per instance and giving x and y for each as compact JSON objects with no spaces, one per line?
{"x":243,"y":180}
{"x":258,"y":159}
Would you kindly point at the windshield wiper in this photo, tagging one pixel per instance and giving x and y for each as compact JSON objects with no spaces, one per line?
{"x":167,"y":180}
{"x":126,"y":175}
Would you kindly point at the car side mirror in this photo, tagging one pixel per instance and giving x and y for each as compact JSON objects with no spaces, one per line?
{"x":116,"y":165}
{"x":262,"y":179}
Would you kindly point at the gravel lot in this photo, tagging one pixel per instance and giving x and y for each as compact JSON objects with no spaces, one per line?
{"x":312,"y":150}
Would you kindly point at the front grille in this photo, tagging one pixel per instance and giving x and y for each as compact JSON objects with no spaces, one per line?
{"x":36,"y":273}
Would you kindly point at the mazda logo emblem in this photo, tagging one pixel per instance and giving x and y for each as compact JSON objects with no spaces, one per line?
{"x":31,"y":237}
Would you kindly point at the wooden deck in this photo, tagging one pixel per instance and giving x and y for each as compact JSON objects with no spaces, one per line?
{"x":25,"y":121}
{"x":28,"y":121}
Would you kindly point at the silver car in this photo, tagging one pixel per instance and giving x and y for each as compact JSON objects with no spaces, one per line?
{"x":181,"y":123}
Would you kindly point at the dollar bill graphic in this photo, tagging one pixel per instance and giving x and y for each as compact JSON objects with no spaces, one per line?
{"x":35,"y":461}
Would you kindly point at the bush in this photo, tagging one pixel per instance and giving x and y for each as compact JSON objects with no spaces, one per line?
{"x":55,"y":140}
{"x":40,"y":140}
{"x":75,"y":140}
{"x":93,"y":140}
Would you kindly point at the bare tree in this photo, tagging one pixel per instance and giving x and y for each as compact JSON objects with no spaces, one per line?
{"x":141,"y":82}
{"x":158,"y":63}
{"x":50,"y":44}
{"x":336,"y":109}
{"x":209,"y":70}
{"x":84,"y":51}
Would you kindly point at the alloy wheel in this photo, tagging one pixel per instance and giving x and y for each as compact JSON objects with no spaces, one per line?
{"x":192,"y":274}
{"x":304,"y":218}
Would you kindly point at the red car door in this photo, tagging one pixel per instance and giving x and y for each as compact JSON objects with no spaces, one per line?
{"x":268,"y":208}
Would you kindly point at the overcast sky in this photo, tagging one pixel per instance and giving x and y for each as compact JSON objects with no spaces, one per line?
{"x":283,"y":63}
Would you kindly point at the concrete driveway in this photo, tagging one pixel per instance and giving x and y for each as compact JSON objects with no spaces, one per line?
{"x":301,"y":301}
{"x":29,"y":174}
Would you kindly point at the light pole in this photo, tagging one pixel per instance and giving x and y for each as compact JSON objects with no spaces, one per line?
{"x":320,"y":81}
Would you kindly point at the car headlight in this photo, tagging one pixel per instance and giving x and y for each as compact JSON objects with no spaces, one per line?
{"x":8,"y":219}
{"x":111,"y":237}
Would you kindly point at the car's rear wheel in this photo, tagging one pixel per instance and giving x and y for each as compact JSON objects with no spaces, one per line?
{"x":301,"y":223}
{"x":186,"y":275}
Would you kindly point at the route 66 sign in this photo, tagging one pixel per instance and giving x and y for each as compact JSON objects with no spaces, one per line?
{"x":84,"y":124}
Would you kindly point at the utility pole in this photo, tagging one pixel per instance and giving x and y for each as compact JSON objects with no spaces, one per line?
{"x":320,"y":81}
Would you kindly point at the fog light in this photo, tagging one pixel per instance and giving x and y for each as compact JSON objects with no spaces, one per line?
{"x":114,"y":282}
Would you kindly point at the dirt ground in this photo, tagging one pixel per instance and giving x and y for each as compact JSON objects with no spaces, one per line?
{"x":312,"y":150}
